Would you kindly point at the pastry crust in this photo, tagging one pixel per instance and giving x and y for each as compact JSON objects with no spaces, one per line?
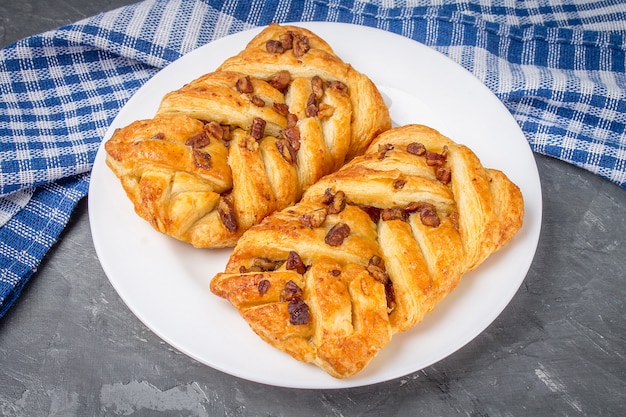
{"x":370,"y":114}
{"x":239,"y":143}
{"x":415,"y":219}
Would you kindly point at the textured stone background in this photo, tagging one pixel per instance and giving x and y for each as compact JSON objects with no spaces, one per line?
{"x":70,"y":347}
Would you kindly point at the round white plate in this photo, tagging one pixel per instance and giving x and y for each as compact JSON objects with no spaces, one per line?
{"x":165,"y":282}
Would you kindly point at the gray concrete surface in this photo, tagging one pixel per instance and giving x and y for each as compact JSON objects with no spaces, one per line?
{"x":70,"y":347}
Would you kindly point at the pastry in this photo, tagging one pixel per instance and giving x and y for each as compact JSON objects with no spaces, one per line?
{"x":236,"y":144}
{"x":370,"y":249}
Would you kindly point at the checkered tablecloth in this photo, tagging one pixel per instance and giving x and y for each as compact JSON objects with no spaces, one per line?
{"x":558,"y":66}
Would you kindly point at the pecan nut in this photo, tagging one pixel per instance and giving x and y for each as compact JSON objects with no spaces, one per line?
{"x":226,"y":211}
{"x":280,"y":81}
{"x":383,"y":148}
{"x":338,"y":204}
{"x":313,"y":219}
{"x":376,"y":268}
{"x":281,"y":108}
{"x":286,"y":150}
{"x":257,"y":131}
{"x":274,"y":47}
{"x":337,"y":234}
{"x":201,"y":159}
{"x":264,"y":286}
{"x":244,"y":85}
{"x":444,"y":175}
{"x":416,"y":148}
{"x":300,"y":45}
{"x":298,"y":311}
{"x":427,"y":212}
{"x":290,"y":291}
{"x":199,"y":140}
{"x":257,"y":101}
{"x":437,"y":159}
{"x":294,"y":263}
{"x":393,"y":213}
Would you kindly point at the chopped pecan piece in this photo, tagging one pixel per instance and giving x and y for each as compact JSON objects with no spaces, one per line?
{"x":313,"y":219}
{"x":311,"y":110}
{"x":399,"y":184}
{"x":428,"y":213}
{"x":416,"y":148}
{"x":226,"y":133}
{"x":292,"y":120}
{"x":336,"y":201}
{"x":199,"y":140}
{"x":158,"y":136}
{"x":414,"y":206}
{"x":226,"y":211}
{"x":328,"y":196}
{"x":201,"y":159}
{"x":286,"y":150}
{"x":377,"y":261}
{"x":429,"y":218}
{"x":338,"y":204}
{"x":311,"y":105}
{"x":298,"y":311}
{"x":376,"y":268}
{"x":317,"y":86}
{"x":274,"y":47}
{"x":257,"y":131}
{"x":443,"y":174}
{"x":390,"y":295}
{"x":214,"y":129}
{"x":373,"y":212}
{"x":337,"y":234}
{"x":436,"y":159}
{"x":337,"y":85}
{"x":292,"y":134}
{"x":265,"y":264}
{"x":393,"y":213}
{"x":300,"y":45}
{"x":281,"y":108}
{"x":291,"y":291}
{"x":286,"y":40}
{"x":259,"y":265}
{"x":383,"y":148}
{"x":257,"y":101}
{"x":263,"y":286}
{"x":294,"y":263}
{"x":244,"y":85}
{"x":280,"y":81}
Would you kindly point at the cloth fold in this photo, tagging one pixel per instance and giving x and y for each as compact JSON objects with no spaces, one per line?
{"x":558,"y":66}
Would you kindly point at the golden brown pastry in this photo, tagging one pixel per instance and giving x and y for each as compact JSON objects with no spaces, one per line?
{"x":370,"y":249}
{"x":239,"y":143}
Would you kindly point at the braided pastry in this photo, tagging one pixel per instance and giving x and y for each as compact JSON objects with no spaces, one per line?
{"x":370,"y":249}
{"x":239,"y":143}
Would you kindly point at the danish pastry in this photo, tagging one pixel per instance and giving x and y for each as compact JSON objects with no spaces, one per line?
{"x":236,"y":144}
{"x":370,"y":249}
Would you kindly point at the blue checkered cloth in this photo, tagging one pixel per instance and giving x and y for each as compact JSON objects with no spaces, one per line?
{"x":558,"y":66}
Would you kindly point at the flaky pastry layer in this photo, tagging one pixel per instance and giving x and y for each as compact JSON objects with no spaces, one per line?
{"x":239,"y":143}
{"x":370,"y":249}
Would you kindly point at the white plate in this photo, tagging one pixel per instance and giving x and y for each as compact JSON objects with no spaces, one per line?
{"x":165,"y":282}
